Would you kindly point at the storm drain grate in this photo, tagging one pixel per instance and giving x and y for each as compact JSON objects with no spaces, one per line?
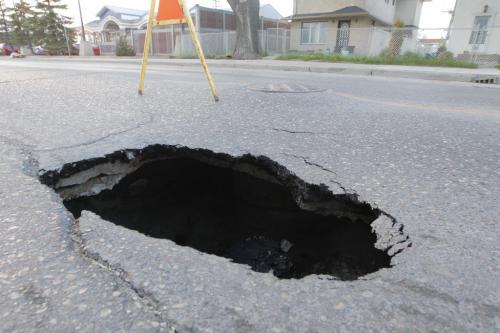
{"x":486,"y":80}
{"x":247,"y":209}
{"x":285,"y":88}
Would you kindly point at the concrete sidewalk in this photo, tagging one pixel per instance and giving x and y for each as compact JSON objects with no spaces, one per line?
{"x":396,"y":71}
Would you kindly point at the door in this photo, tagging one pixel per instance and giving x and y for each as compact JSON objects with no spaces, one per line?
{"x":343,"y":33}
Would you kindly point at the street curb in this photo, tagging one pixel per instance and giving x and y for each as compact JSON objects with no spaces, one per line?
{"x":337,"y":68}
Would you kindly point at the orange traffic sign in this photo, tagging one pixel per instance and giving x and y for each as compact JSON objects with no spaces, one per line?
{"x":169,"y":12}
{"x":173,"y":12}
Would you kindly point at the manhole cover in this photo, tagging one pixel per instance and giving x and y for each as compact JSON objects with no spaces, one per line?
{"x":285,"y":88}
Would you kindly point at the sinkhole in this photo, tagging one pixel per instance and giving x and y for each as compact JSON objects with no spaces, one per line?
{"x":248,"y":209}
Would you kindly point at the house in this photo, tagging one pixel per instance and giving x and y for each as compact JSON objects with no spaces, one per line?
{"x":475,"y":30}
{"x":349,"y":26}
{"x":218,"y":20}
{"x":117,"y":22}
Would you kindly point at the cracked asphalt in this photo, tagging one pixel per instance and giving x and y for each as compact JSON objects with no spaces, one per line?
{"x":427,"y":153}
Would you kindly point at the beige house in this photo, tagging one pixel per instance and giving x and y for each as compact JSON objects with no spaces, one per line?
{"x":349,"y":26}
{"x":475,"y":27}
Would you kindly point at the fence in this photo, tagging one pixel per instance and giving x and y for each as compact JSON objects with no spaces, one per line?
{"x":168,"y":42}
{"x":481,"y":47}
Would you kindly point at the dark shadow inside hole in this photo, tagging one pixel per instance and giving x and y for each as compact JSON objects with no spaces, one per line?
{"x":235,"y":215}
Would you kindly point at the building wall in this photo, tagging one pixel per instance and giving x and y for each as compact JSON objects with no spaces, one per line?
{"x":463,"y":22}
{"x":359,"y":37}
{"x":381,"y":9}
{"x":409,"y":11}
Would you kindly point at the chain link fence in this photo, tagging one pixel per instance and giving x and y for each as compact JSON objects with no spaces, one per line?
{"x":169,"y":42}
{"x":481,"y":47}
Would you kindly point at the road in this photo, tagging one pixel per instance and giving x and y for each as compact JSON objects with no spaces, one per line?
{"x":425,"y":152}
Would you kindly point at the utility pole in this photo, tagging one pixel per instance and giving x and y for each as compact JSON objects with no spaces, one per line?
{"x":81,"y":21}
{"x":67,"y":39}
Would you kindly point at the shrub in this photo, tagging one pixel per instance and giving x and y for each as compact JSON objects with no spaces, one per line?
{"x":408,"y":59}
{"x":444,"y":54}
{"x":123,"y":49}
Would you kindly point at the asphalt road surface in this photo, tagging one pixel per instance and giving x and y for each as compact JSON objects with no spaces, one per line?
{"x":427,"y":153}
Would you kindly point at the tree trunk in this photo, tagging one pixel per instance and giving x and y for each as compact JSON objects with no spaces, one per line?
{"x":247,"y":28}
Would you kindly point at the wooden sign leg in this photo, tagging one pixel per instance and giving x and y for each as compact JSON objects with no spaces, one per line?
{"x":147,"y":44}
{"x":199,"y":50}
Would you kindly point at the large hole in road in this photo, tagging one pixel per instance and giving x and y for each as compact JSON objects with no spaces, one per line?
{"x":247,"y":209}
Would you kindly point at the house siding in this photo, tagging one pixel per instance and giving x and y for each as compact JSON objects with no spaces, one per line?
{"x":363,"y":38}
{"x":463,"y":22}
{"x":409,"y":11}
{"x":359,"y":36}
{"x":382,"y":10}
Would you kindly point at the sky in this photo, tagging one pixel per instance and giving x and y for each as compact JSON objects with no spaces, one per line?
{"x":433,"y":16}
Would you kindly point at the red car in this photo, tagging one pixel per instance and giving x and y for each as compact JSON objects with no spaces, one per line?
{"x":7,"y":49}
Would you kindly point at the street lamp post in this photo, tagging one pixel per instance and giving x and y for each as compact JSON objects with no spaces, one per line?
{"x":81,"y":22}
{"x":67,"y":40}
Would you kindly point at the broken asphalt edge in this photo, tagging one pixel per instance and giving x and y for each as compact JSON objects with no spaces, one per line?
{"x":391,"y":236}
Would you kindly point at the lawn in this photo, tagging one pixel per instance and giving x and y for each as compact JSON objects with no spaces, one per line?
{"x":407,"y":59}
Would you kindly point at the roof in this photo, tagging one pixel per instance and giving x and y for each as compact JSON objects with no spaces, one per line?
{"x":122,"y":10}
{"x":268,"y":11}
{"x":346,"y":11}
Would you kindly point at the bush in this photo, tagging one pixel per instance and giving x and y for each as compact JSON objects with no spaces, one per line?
{"x":408,"y":59}
{"x":123,"y":49}
{"x":444,"y":54}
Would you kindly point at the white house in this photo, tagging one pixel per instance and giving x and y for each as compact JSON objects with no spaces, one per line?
{"x":115,"y":22}
{"x":475,"y":29}
{"x":351,"y":25}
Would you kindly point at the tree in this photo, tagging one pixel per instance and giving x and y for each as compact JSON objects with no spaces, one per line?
{"x":21,"y":22}
{"x":247,"y":28}
{"x":4,"y":26}
{"x":53,"y":25}
{"x":397,"y":38}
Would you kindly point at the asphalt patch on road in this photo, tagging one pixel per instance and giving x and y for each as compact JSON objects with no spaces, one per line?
{"x":248,"y":209}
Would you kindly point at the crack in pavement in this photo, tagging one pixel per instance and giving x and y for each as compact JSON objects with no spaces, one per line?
{"x":149,"y":120}
{"x":151,"y":302}
{"x":307,"y":162}
{"x":292,"y":132}
{"x":398,"y":240}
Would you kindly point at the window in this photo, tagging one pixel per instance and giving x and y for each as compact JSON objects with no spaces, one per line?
{"x":313,"y":33}
{"x":480,"y":30}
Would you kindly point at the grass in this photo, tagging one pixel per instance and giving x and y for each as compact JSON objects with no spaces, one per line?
{"x":498,"y":67}
{"x":409,"y":59}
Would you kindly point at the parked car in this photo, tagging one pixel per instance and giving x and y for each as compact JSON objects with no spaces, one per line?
{"x":7,"y":49}
{"x":38,"y":50}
